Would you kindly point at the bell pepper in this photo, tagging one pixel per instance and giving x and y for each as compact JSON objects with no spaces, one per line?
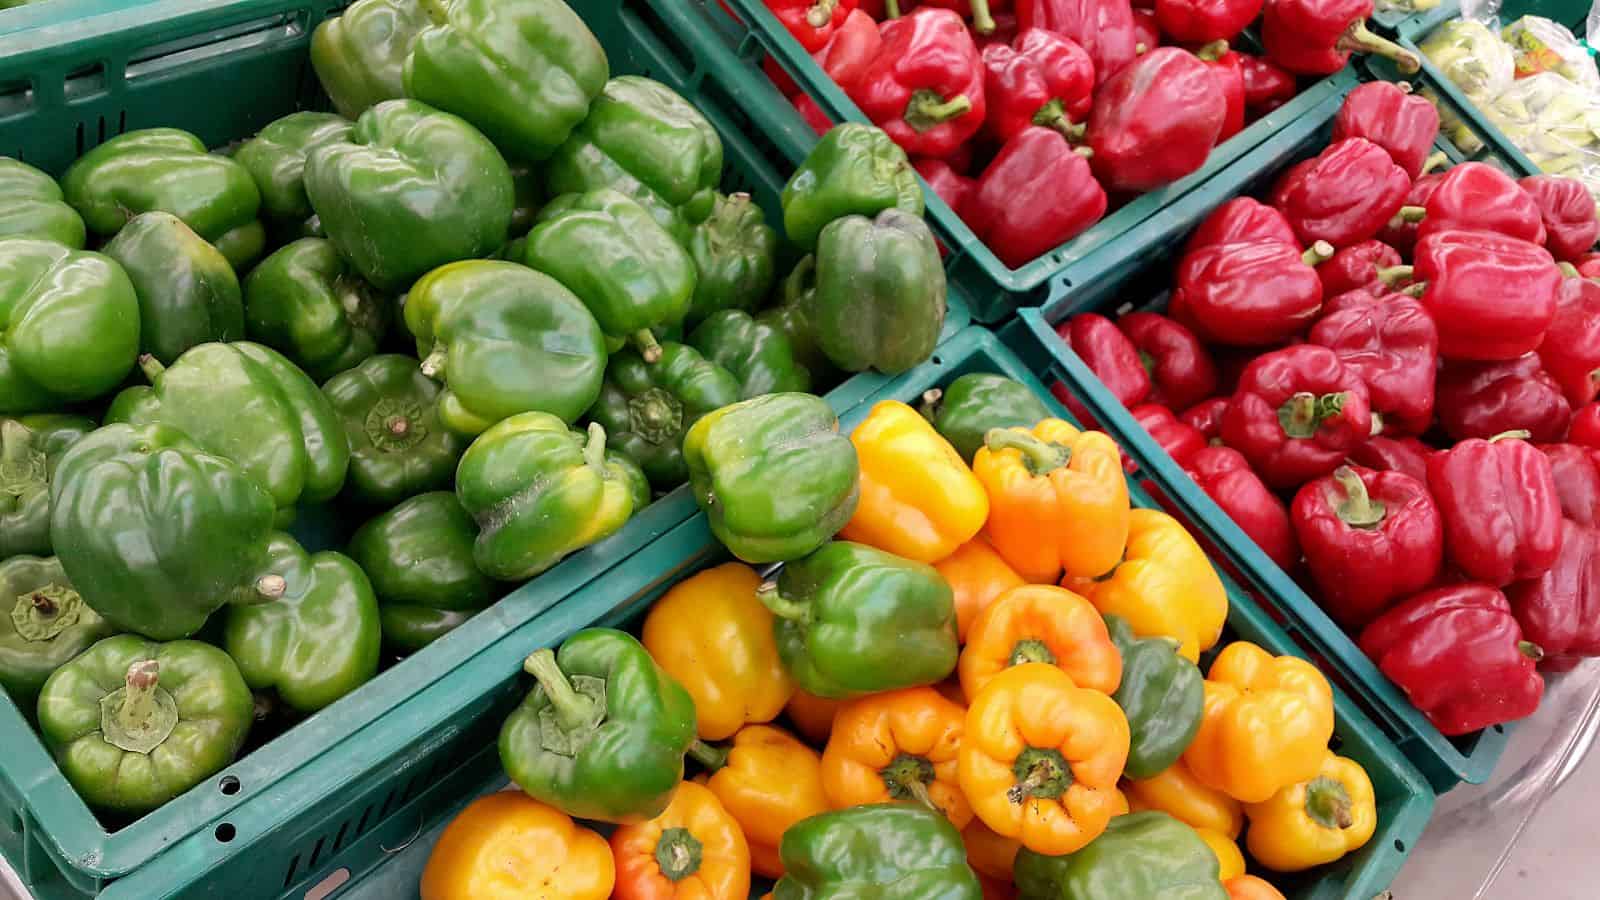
{"x":1103,"y":27}
{"x":1358,"y":266}
{"x":1206,"y":416}
{"x":1558,"y":610}
{"x":1146,"y":30}
{"x":1041,"y":756}
{"x":69,"y":325}
{"x":647,"y":408}
{"x":1492,"y":297}
{"x":1241,"y":220}
{"x":1570,"y":350}
{"x":47,"y":626}
{"x":812,"y":716}
{"x":990,"y":855}
{"x":245,"y":402}
{"x":918,"y":498}
{"x":1567,"y":210}
{"x":1249,"y":293}
{"x":888,"y":851}
{"x":1576,"y":471}
{"x":734,"y":253}
{"x":880,"y":299}
{"x":1057,"y":500}
{"x":900,"y":745}
{"x":757,"y":353}
{"x":981,"y":12}
{"x":419,"y":558}
{"x":1315,"y":822}
{"x":276,"y":159}
{"x":1180,"y":440}
{"x":1177,"y":792}
{"x":308,"y":304}
{"x":1160,"y":694}
{"x":1040,"y":623}
{"x":1109,"y":354}
{"x":1043,"y":78}
{"x":1316,"y":37}
{"x":1227,"y":68}
{"x":850,"y":51}
{"x":1401,"y":231}
{"x":1502,"y":517}
{"x":1369,"y":539}
{"x":1289,"y":181}
{"x":773,"y":475}
{"x":1481,"y":400}
{"x":398,"y":446}
{"x":1267,"y":723}
{"x":978,"y":576}
{"x":316,"y":637}
{"x":813,"y":115}
{"x":1181,"y":370}
{"x":966,"y":409}
{"x":1267,"y":85}
{"x":1155,"y":120}
{"x":359,"y":56}
{"x":925,"y":88}
{"x":33,"y":206}
{"x":694,"y":850}
{"x":1460,"y":656}
{"x":188,"y":294}
{"x":854,"y":170}
{"x":812,"y":22}
{"x":1348,"y":195}
{"x":1195,"y":22}
{"x":1296,"y":414}
{"x":1588,"y":265}
{"x":645,"y":141}
{"x":504,"y":841}
{"x":854,"y":620}
{"x":540,"y":491}
{"x":1389,"y":115}
{"x":1249,"y":887}
{"x":767,"y":780}
{"x":30,"y":450}
{"x":1230,"y":860}
{"x":1226,"y":477}
{"x":1393,"y":346}
{"x":133,"y":723}
{"x":1387,"y":454}
{"x":953,"y":188}
{"x":1481,"y":197}
{"x":1585,"y":429}
{"x":1147,"y":854}
{"x":1037,"y":159}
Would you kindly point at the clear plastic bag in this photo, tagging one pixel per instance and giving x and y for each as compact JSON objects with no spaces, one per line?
{"x":1473,"y":57}
{"x":1541,"y":45}
{"x":1555,"y":122}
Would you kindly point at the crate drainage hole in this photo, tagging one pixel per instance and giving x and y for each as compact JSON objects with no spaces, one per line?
{"x":937,"y":361}
{"x":1400,"y":845}
{"x":230,"y":785}
{"x":225,"y":832}
{"x":325,"y":888}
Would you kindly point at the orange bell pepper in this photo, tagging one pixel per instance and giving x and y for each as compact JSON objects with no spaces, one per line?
{"x":950,"y":689}
{"x":503,"y":842}
{"x":990,"y":855}
{"x":1230,"y":860}
{"x":899,"y":745}
{"x":977,"y":575}
{"x":713,"y":635}
{"x":1040,"y":623}
{"x":1057,"y":499}
{"x":918,"y":498}
{"x":767,"y":781}
{"x":1164,"y":586}
{"x":1249,"y":887}
{"x":1041,"y":756}
{"x":1315,"y":822}
{"x":812,"y":716}
{"x":1176,"y":792}
{"x":693,"y":851}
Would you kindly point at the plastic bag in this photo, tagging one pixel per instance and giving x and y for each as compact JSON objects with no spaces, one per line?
{"x":1473,"y":57}
{"x":1555,"y":122}
{"x":1540,"y":45}
{"x":1486,"y":12}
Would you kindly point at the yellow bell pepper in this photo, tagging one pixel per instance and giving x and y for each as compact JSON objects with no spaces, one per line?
{"x":1176,"y":792}
{"x":713,"y":635}
{"x":918,"y":498}
{"x":812,"y":716}
{"x":1165,"y":585}
{"x":1315,"y":822}
{"x":504,"y":842}
{"x":977,"y":575}
{"x":899,"y":745}
{"x":1266,"y":724}
{"x":1230,"y":859}
{"x":767,"y":782}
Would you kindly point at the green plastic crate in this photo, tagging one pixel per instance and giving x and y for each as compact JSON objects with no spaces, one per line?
{"x":1139,"y":276}
{"x":45,"y":13}
{"x":223,"y":70}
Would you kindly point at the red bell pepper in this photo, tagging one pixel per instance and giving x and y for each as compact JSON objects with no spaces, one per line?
{"x":981,"y":12}
{"x":1289,"y":182}
{"x":925,"y":87}
{"x":1036,"y":163}
{"x":812,"y":22}
{"x":1483,"y":198}
{"x":1005,"y":31}
{"x":1393,"y":346}
{"x":1241,"y":219}
{"x":1180,"y":440}
{"x":1571,"y":347}
{"x":1358,"y":266}
{"x":1401,"y":231}
{"x":1147,"y":30}
{"x":1352,"y":191}
{"x":1369,"y":538}
{"x":1459,"y":654}
{"x":1492,"y":296}
{"x":1576,"y":471}
{"x":1267,"y":85}
{"x":1316,"y":37}
{"x":1298,"y":412}
{"x":1588,"y":265}
{"x":1109,"y":355}
{"x":850,"y":52}
{"x":1204,"y":21}
{"x":1181,"y":371}
{"x":1585,"y":430}
{"x":1226,"y":67}
{"x":1103,"y":27}
{"x":954,"y":189}
{"x":1392,"y":117}
{"x":1391,"y":454}
{"x":1043,"y":79}
{"x":883,"y":10}
{"x":1483,"y":399}
{"x":1502,"y":518}
{"x":812,"y":114}
{"x":1248,"y":293}
{"x":1206,"y":417}
{"x":780,"y":77}
{"x":1155,"y":121}
{"x":1567,"y":209}
{"x":1226,"y":477}
{"x":1560,"y":610}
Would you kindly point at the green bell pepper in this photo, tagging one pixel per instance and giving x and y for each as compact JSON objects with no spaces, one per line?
{"x":647,"y":408}
{"x":530,"y":199}
{"x":30,"y":450}
{"x":245,"y":402}
{"x":505,"y":340}
{"x":412,"y":189}
{"x":855,"y":170}
{"x":360,"y":55}
{"x":43,"y":624}
{"x":419,"y":557}
{"x":307,"y":303}
{"x":134,"y":723}
{"x":880,"y":299}
{"x":276,"y":159}
{"x":734,"y":252}
{"x":603,"y":734}
{"x":31,"y":206}
{"x":1163,"y":696}
{"x":645,"y":141}
{"x":773,"y":475}
{"x":881,"y":851}
{"x":168,"y":170}
{"x":1146,"y":854}
{"x":964,"y":411}
{"x":540,"y":491}
{"x":69,"y":325}
{"x":758,"y":354}
{"x":853,"y":620}
{"x":398,"y":446}
{"x":316,"y":636}
{"x":797,"y":298}
{"x":156,"y":533}
{"x":607,"y":250}
{"x":188,"y":294}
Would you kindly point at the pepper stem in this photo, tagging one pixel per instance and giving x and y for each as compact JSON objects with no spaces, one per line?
{"x":931,"y":399}
{"x":140,"y":700}
{"x":594,"y":450}
{"x":42,"y":604}
{"x":782,"y":606}
{"x":1031,"y":650}
{"x":1053,"y":115}
{"x":907,"y":776}
{"x":1518,"y":434}
{"x":1318,"y":253}
{"x":1435,"y":159}
{"x":821,"y":13}
{"x":1328,"y":803}
{"x":1039,"y":456}
{"x":982,"y":19}
{"x":1414,"y":290}
{"x":678,"y":853}
{"x":573,"y":710}
{"x":1530,"y":650}
{"x":1408,"y":215}
{"x":1359,"y":39}
{"x":891,"y":9}
{"x":138,"y":716}
{"x":433,"y":366}
{"x":928,"y":109}
{"x":1567,"y":269}
{"x":150,"y":366}
{"x":1213,"y":51}
{"x":1393,"y":275}
{"x":1039,"y":773}
{"x":271,"y":587}
{"x":646,"y":343}
{"x":1358,"y":510}
{"x":1085,"y":152}
{"x":710,"y":757}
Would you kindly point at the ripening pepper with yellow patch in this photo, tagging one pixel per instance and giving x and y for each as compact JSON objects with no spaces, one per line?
{"x":767,"y":780}
{"x":1315,"y":822}
{"x":505,"y":841}
{"x":1040,"y":623}
{"x":900,"y":745}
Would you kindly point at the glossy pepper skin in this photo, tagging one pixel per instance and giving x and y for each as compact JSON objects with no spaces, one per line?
{"x":1036,"y":159}
{"x":901,"y":745}
{"x":849,"y":52}
{"x":419,"y":559}
{"x":1147,"y":854}
{"x":734,"y":252}
{"x":134,"y":723}
{"x":47,"y":626}
{"x":1459,"y":655}
{"x":31,"y":448}
{"x":1560,"y":610}
{"x":398,"y":446}
{"x":1105,"y":28}
{"x":276,"y":159}
{"x":1155,"y":120}
{"x":1242,"y":219}
{"x":967,"y":408}
{"x":1481,"y":400}
{"x":839,"y":607}
{"x":1586,"y":426}
{"x":1387,"y":454}
{"x":1227,"y":69}
{"x":758,"y":354}
{"x":737,"y":458}
{"x":1296,"y":414}
{"x":1401,"y":231}
{"x":1040,"y":623}
{"x":1178,"y":793}
{"x":891,"y":851}
{"x":1481,"y":197}
{"x":1207,"y":415}
{"x":1197,"y":22}
{"x":1471,"y":276}
{"x":307,"y":303}
{"x":188,"y":294}
{"x":978,"y":576}
{"x":647,"y":408}
{"x":1042,"y":78}
{"x":881,"y":292}
{"x":1181,"y":370}
{"x":1248,"y":293}
{"x":602,"y":735}
{"x":504,"y":841}
{"x":694,"y":849}
{"x":1225,"y":475}
{"x":1316,"y":37}
{"x":953,"y":188}
{"x":1392,"y":345}
{"x":1568,"y":213}
{"x":34,"y":208}
{"x":854,"y":170}
{"x":1249,"y":887}
{"x":812,"y":22}
{"x":360,"y":55}
{"x":1570,"y":350}
{"x":925,"y":89}
{"x":1179,"y":439}
{"x":69,"y":325}
{"x":1358,"y":266}
{"x":768,"y":780}
{"x":1267,"y":85}
{"x":1502,"y":516}
{"x":1109,"y":354}
{"x":1369,"y":538}
{"x":1348,"y":195}
{"x":1389,"y":115}
{"x":1316,"y":822}
{"x":1577,"y":478}
{"x":1161,"y":694}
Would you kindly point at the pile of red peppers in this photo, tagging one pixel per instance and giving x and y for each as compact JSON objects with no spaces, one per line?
{"x":1387,"y":376}
{"x":1078,"y":105}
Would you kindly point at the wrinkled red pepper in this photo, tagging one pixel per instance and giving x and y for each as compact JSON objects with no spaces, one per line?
{"x":1206,"y":417}
{"x":1460,"y":656}
{"x":1103,"y":27}
{"x":1390,"y":454}
{"x":1226,"y":477}
{"x":1393,"y":346}
{"x":1043,"y":79}
{"x":1401,"y":231}
{"x":1180,"y":440}
{"x":1289,"y":182}
{"x":1228,"y":71}
{"x":1241,"y":219}
{"x":1481,"y":197}
{"x":812,"y":22}
{"x":1267,"y":85}
{"x":1392,"y":117}
{"x":1204,"y":21}
{"x":1571,"y":347}
{"x":1576,"y":471}
{"x":1181,"y":371}
{"x":1296,"y":415}
{"x":1588,"y":265}
{"x":1492,"y":297}
{"x":1146,"y":29}
{"x":925,"y":88}
{"x":851,"y":51}
{"x":1036,"y":163}
{"x":1502,"y":518}
{"x":1560,"y":610}
{"x":1109,"y":355}
{"x":1248,"y":293}
{"x":1358,"y":266}
{"x":1155,"y":121}
{"x":954,"y":189}
{"x":1585,"y":431}
{"x":981,"y":12}
{"x":1352,"y":191}
{"x":1567,"y":209}
{"x":1483,"y":399}
{"x":1316,"y":37}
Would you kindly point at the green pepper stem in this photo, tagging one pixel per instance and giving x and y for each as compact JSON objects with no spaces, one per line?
{"x":139,"y":700}
{"x":433,"y":366}
{"x":678,"y":853}
{"x":1298,"y":416}
{"x":1567,"y":269}
{"x":1530,"y":650}
{"x":919,"y":793}
{"x":594,"y":450}
{"x":821,"y":13}
{"x":1392,"y":275}
{"x":151,"y":367}
{"x":891,"y":9}
{"x":1328,"y":803}
{"x":1408,"y":215}
{"x":710,"y":757}
{"x":646,"y":344}
{"x":782,"y":606}
{"x":1039,"y":456}
{"x":1358,"y":510}
{"x":1085,"y":152}
{"x":982,"y":19}
{"x":16,"y":445}
{"x":1435,"y":159}
{"x":931,"y":399}
{"x":1213,"y":51}
{"x":42,"y":604}
{"x":1318,"y":253}
{"x":1518,"y":434}
{"x":271,"y":587}
{"x":573,"y":709}
{"x":1359,"y":39}
{"x":928,"y":110}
